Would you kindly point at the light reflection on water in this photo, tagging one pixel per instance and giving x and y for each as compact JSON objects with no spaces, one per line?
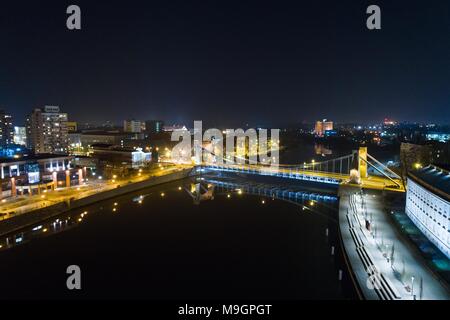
{"x":200,"y":189}
{"x":181,"y":236}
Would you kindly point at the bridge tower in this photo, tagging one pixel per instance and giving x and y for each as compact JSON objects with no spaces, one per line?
{"x":362,"y":162}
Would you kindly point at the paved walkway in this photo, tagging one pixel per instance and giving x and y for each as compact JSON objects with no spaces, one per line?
{"x":14,"y":206}
{"x":384,"y":262}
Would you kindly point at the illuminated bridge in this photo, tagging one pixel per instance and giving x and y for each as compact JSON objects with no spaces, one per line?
{"x":351,"y":169}
{"x":208,"y":186}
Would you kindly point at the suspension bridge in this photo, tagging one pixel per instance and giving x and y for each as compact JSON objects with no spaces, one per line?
{"x":357,"y":168}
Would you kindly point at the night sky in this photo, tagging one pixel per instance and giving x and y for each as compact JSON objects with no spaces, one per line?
{"x":228,"y":62}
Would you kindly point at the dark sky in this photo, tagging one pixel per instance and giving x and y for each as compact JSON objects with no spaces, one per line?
{"x":228,"y":62}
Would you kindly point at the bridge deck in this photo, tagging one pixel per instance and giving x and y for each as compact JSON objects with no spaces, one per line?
{"x":371,"y":182}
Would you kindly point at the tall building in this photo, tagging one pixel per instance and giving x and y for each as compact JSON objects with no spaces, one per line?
{"x":6,"y":129}
{"x":322,"y":126}
{"x":47,"y":131}
{"x":154,"y":126}
{"x":20,"y":136}
{"x":133,"y":126}
{"x":428,"y":204}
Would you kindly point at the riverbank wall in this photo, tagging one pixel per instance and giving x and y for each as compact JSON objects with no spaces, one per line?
{"x":30,"y":218}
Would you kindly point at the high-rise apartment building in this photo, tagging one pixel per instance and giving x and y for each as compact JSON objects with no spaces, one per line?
{"x":47,"y":130}
{"x":133,"y":126}
{"x":20,"y":135}
{"x":6,"y":129}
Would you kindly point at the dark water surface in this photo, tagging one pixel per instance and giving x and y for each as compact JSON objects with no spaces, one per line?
{"x":164,"y":246}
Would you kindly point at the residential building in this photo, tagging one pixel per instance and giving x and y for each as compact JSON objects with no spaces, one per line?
{"x":20,"y":136}
{"x":6,"y":129}
{"x":47,"y":131}
{"x":133,"y":126}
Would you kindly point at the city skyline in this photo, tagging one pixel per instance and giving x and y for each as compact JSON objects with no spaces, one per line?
{"x":225,"y":158}
{"x":181,"y":63}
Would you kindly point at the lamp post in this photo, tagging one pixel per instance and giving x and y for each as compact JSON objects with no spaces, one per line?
{"x":13,"y":187}
{"x":67,"y":178}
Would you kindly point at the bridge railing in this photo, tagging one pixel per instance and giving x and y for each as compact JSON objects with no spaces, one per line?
{"x":272,"y":171}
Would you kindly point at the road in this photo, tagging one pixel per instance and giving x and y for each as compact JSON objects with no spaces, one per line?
{"x":14,"y":206}
{"x":371,"y":182}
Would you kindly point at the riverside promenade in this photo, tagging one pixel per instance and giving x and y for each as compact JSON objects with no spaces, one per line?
{"x":383,"y":263}
{"x":29,"y":218}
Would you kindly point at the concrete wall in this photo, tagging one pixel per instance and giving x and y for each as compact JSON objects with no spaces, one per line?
{"x":30,"y":218}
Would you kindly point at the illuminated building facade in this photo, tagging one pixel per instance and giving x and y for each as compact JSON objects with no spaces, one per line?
{"x":126,"y":157}
{"x":133,"y":126}
{"x":30,"y":170}
{"x":438,"y":136}
{"x":72,"y":126}
{"x":322,"y":127}
{"x":428,"y":204}
{"x":47,"y":131}
{"x":20,"y":136}
{"x":6,"y":129}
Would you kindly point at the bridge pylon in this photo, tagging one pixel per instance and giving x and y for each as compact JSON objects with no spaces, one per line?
{"x":362,"y":162}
